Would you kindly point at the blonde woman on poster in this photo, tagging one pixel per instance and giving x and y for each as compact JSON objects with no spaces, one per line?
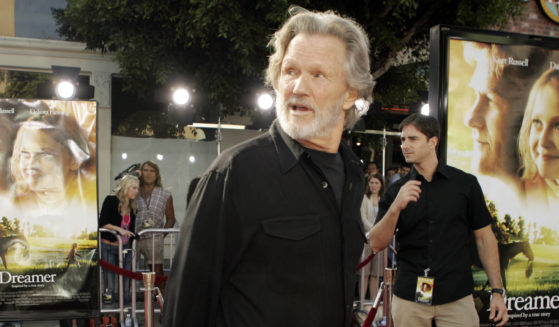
{"x":50,"y":168}
{"x":48,"y":152}
{"x":539,"y":142}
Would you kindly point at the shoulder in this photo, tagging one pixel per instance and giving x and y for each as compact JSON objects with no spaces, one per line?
{"x":166,"y":193}
{"x":111,"y":200}
{"x":252,"y":151}
{"x":458,"y":175}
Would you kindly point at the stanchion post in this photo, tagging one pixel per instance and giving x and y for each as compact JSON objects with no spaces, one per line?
{"x":149,"y":282}
{"x":389,"y":274}
{"x":133,"y":282}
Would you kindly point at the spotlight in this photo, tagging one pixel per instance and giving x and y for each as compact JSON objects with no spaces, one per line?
{"x":265,"y":101}
{"x":425,"y":109}
{"x":67,"y":84}
{"x":181,"y":96}
{"x":65,"y":90}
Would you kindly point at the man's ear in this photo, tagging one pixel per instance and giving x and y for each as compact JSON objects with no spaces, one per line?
{"x":434,"y":141}
{"x":349,"y":98}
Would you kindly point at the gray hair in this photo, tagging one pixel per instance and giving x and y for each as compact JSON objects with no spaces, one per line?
{"x":357,"y":65}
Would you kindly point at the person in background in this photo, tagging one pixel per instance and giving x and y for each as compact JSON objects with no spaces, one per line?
{"x":118,"y":213}
{"x":434,"y":241}
{"x":372,"y":169}
{"x":404,"y":170}
{"x":155,"y":210}
{"x":396,"y":176}
{"x":372,"y":272}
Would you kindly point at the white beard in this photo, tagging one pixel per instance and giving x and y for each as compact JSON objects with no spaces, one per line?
{"x":325,"y":119}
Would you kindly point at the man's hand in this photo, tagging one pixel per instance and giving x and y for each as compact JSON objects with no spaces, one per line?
{"x":498,"y":313}
{"x":409,"y":192}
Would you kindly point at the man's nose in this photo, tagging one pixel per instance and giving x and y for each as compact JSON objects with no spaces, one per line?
{"x":475,"y":117}
{"x":301,"y":86}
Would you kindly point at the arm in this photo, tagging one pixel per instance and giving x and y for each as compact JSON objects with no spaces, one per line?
{"x":489,"y":255}
{"x":208,"y":236}
{"x":381,"y":234}
{"x":169,"y":213}
{"x":110,"y":216}
{"x":119,"y":230}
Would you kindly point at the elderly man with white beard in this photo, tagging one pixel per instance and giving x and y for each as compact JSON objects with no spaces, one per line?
{"x":272,"y":236}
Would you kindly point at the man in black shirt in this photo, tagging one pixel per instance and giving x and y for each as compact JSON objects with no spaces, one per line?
{"x":272,"y":236}
{"x":436,"y":209}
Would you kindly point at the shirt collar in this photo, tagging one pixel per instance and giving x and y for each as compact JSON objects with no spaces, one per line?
{"x":290,"y":151}
{"x":441,"y":169}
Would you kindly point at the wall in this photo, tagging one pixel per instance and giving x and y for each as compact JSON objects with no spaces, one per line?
{"x":533,"y":21}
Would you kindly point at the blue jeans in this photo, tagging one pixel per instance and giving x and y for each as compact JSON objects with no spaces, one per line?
{"x":109,"y":253}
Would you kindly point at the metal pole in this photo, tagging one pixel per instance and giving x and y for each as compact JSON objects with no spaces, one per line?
{"x":133,"y":281}
{"x":384,"y":143}
{"x":218,"y":135}
{"x":120,"y":281}
{"x":149,"y":281}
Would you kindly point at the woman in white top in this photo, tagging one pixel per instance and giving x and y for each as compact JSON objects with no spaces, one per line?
{"x":369,"y":209}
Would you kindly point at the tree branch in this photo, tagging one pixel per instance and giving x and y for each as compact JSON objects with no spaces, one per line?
{"x":394,"y":49}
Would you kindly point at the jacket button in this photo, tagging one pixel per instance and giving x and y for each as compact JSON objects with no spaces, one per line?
{"x":324,"y":184}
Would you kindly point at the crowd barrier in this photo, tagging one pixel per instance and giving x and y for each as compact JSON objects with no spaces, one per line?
{"x":148,"y":278}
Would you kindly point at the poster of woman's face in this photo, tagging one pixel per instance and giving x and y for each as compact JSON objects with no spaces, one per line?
{"x":503,"y":127}
{"x":48,"y":201}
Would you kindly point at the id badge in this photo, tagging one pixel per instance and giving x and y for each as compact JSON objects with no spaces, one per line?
{"x":424,"y":290}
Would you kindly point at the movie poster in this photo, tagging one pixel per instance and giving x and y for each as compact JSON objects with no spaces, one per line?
{"x":503,"y":126}
{"x":48,"y":210}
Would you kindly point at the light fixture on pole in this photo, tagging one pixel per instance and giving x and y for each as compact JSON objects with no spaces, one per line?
{"x":265,"y":101}
{"x":66,"y":80}
{"x":425,"y":109}
{"x":181,"y":96}
{"x":66,"y":85}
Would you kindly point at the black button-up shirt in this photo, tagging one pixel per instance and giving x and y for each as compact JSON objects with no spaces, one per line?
{"x":436,"y":233}
{"x":264,"y":242}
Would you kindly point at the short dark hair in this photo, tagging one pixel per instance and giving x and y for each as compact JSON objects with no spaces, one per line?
{"x":425,"y":124}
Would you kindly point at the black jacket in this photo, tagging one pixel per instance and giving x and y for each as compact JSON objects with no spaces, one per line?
{"x":110,"y":215}
{"x":264,"y":242}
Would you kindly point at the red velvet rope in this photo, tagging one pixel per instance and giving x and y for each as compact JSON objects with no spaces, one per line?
{"x":365,"y":262}
{"x":128,"y":273}
{"x":373,"y":312}
{"x":370,"y":317}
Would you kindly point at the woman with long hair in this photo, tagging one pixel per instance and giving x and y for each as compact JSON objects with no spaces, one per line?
{"x":539,"y":141}
{"x":118,"y":213}
{"x":369,"y":209}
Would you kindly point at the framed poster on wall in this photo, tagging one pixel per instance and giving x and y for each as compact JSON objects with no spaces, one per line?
{"x":497,"y":97}
{"x":48,"y":210}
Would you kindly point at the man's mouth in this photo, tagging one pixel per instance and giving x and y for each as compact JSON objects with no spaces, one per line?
{"x":300,"y":110}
